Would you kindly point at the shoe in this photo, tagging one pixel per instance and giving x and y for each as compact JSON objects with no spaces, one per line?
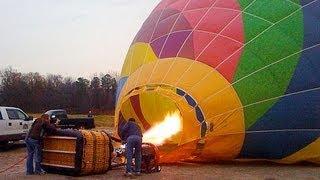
{"x":29,"y":173}
{"x":128,"y":174}
{"x":41,"y":173}
{"x":137,"y":173}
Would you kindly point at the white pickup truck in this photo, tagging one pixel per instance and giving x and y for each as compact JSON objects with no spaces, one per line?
{"x":14,"y":124}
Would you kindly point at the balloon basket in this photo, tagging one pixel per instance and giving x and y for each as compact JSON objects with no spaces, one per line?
{"x":73,"y":152}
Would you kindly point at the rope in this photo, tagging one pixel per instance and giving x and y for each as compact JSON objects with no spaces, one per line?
{"x":94,"y":148}
{"x":10,"y":167}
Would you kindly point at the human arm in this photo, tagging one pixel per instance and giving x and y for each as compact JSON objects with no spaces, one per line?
{"x":124,"y":129}
{"x":124,"y":132}
{"x":50,"y":128}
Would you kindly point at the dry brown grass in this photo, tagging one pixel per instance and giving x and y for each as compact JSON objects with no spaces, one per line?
{"x":104,"y":121}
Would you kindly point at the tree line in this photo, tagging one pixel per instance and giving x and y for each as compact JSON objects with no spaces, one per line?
{"x":36,"y":93}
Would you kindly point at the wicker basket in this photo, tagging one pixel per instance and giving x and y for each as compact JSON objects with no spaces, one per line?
{"x":75,"y":152}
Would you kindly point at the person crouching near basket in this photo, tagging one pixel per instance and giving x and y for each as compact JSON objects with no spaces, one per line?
{"x":131,"y":134}
{"x":39,"y":128}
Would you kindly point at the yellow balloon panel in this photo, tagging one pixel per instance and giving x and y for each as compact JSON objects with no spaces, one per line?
{"x":139,"y":54}
{"x":222,"y":147}
{"x":160,"y":70}
{"x":217,"y":83}
{"x":193,"y":75}
{"x":223,"y":141}
{"x":221,"y":102}
{"x":191,"y":128}
{"x":310,"y":153}
{"x":184,"y":151}
{"x":145,"y":69}
{"x":183,"y":65}
{"x":155,"y":107}
{"x":127,"y":111}
{"x":221,"y":124}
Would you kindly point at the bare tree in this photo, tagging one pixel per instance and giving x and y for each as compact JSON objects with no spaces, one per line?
{"x":36,"y":93}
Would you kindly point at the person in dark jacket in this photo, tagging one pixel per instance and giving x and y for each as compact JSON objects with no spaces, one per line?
{"x":39,"y":128}
{"x":132,"y":135}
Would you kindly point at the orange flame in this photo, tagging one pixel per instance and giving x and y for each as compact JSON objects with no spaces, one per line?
{"x":159,"y":133}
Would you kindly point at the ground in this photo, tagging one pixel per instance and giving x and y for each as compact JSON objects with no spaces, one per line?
{"x":232,"y":170}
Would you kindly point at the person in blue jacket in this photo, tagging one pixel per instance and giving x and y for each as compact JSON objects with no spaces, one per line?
{"x":132,"y":135}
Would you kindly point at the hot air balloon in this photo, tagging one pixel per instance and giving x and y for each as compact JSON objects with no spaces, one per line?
{"x":243,"y":75}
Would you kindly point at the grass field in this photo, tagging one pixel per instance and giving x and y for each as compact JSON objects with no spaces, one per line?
{"x":100,"y":120}
{"x":104,"y":121}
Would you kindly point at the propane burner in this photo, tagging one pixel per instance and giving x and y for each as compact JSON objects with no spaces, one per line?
{"x":149,"y":162}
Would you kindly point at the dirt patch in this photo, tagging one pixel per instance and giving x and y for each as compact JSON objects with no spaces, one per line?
{"x":234,"y":170}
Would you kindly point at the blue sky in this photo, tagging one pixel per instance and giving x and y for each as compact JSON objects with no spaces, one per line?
{"x":69,"y":37}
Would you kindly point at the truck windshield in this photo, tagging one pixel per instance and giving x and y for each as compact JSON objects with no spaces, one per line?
{"x":1,"y":118}
{"x":60,"y":114}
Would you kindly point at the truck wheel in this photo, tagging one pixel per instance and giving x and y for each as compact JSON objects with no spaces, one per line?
{"x":158,"y":168}
{"x":81,"y":128}
{"x":3,"y":144}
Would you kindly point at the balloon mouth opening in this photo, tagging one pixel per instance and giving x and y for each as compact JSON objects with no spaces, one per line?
{"x":169,"y":117}
{"x":159,"y":117}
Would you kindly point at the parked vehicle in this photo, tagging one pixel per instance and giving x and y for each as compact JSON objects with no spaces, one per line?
{"x":14,"y":124}
{"x":65,"y":122}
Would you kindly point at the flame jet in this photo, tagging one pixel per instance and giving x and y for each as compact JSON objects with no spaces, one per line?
{"x":159,"y":133}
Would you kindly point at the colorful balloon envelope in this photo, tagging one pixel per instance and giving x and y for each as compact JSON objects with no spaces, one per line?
{"x":244,"y":76}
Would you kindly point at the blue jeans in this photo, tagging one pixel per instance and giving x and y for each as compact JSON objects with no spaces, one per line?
{"x":134,"y":144}
{"x":34,"y":153}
